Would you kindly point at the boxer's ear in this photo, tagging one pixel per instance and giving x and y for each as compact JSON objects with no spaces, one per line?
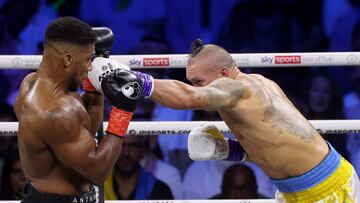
{"x":67,"y":60}
{"x":224,"y":72}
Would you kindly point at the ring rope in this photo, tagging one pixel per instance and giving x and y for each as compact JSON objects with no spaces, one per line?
{"x":184,"y":127}
{"x":180,"y":60}
{"x":182,"y":201}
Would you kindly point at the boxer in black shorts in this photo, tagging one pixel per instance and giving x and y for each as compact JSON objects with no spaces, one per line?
{"x":60,"y":156}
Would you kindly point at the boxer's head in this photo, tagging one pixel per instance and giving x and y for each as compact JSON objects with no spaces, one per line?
{"x":133,"y":150}
{"x":207,"y":63}
{"x":239,"y":182}
{"x":70,"y":47}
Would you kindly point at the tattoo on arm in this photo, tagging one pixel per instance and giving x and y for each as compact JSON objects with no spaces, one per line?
{"x":61,"y":123}
{"x":225,"y":92}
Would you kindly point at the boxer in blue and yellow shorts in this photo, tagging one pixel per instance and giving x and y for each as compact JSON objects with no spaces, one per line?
{"x":268,"y":129}
{"x":333,"y":180}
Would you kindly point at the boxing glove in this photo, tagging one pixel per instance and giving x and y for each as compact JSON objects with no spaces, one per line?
{"x":104,"y":41}
{"x":123,"y":89}
{"x":103,"y":44}
{"x":148,"y":82}
{"x":206,"y":142}
{"x":102,"y":67}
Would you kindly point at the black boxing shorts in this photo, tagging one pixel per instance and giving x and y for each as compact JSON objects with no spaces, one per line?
{"x":31,"y":195}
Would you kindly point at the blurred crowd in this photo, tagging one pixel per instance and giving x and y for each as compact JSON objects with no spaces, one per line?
{"x":158,"y":166}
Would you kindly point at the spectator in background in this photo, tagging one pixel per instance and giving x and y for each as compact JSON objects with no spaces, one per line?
{"x":130,"y":20}
{"x":129,"y":180}
{"x":352,"y":111}
{"x":187,"y":20}
{"x":12,"y":177}
{"x":162,"y":170}
{"x":152,"y":161}
{"x":202,"y":179}
{"x":239,"y":182}
{"x":310,"y":35}
{"x":255,"y":26}
{"x":15,"y":16}
{"x":339,"y":18}
{"x":323,"y":103}
{"x":352,"y":102}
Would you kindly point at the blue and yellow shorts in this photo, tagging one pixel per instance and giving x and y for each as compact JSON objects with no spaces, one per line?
{"x":333,"y":180}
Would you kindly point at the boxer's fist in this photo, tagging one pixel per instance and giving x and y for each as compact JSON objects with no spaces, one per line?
{"x":123,"y":89}
{"x":102,"y":67}
{"x":206,"y":142}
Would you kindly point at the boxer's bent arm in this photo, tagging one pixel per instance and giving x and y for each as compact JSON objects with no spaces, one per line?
{"x":221,"y":93}
{"x":94,"y":105}
{"x":75,"y":148}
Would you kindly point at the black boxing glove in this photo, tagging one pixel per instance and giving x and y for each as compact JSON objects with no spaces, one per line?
{"x":104,"y":41}
{"x":103,"y":44}
{"x":123,"y":89}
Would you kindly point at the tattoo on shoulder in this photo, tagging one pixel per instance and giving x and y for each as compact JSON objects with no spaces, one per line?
{"x":60,"y":122}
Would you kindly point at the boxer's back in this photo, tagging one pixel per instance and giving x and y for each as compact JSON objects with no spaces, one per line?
{"x":33,"y":106}
{"x":272,"y":131}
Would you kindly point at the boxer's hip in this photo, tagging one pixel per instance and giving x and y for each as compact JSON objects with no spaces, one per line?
{"x":31,"y":195}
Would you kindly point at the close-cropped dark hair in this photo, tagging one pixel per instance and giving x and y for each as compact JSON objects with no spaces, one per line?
{"x":70,"y":30}
{"x":196,"y":47}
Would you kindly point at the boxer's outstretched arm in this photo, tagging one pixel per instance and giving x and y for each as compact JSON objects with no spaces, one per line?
{"x":221,"y":93}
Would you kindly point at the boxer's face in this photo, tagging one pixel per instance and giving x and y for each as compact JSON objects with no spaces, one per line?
{"x":200,"y":74}
{"x":81,"y":64}
{"x":133,"y":150}
{"x":238,"y":185}
{"x":320,"y":94}
{"x":17,"y":177}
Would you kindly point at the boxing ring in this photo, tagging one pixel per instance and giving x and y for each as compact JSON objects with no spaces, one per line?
{"x":179,"y":61}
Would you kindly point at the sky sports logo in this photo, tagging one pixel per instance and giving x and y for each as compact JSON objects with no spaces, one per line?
{"x":287,"y":59}
{"x":156,"y":62}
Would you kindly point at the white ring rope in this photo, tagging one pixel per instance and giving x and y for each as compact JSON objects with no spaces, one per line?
{"x":184,"y":127}
{"x":180,"y":60}
{"x":182,"y":201}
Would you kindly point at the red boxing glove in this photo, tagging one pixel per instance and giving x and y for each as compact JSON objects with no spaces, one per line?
{"x":118,"y":122}
{"x":88,"y":87}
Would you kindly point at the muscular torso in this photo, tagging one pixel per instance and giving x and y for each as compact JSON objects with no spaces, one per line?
{"x":271,"y":130}
{"x":33,"y":107}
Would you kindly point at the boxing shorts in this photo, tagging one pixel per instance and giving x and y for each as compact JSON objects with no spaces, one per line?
{"x":31,"y":195}
{"x":333,"y":180}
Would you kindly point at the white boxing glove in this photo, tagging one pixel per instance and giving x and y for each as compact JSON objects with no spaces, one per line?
{"x":206,"y":142}
{"x":102,"y":67}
